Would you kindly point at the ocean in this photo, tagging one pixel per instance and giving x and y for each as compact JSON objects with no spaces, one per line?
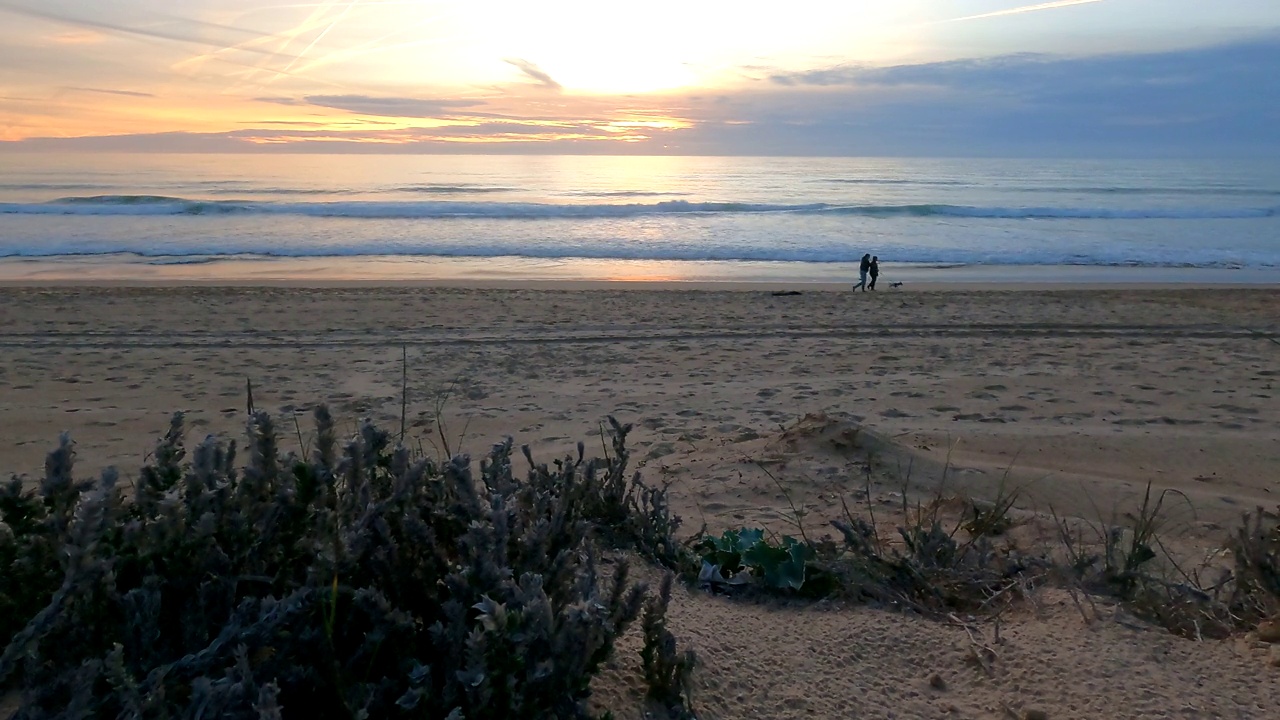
{"x":517,"y":216}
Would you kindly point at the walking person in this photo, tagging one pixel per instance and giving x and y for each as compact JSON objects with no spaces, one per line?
{"x":874,"y":271}
{"x":863,"y":268}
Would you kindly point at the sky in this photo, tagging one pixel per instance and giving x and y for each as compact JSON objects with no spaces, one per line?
{"x":1089,"y":78}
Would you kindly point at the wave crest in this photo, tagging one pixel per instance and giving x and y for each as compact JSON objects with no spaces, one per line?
{"x":165,"y":205}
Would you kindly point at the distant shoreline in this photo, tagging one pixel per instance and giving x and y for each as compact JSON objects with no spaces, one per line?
{"x":515,"y":272}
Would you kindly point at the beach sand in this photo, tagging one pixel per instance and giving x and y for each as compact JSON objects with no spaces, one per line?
{"x":740,"y":398}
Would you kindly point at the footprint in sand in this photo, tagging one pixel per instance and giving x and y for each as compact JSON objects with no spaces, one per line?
{"x":659,"y":450}
{"x":1236,"y":409}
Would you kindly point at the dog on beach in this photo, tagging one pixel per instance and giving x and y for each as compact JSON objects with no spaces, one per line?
{"x":895,"y":284}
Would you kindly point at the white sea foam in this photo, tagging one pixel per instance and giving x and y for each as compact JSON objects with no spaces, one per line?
{"x":810,"y":210}
{"x":164,"y":205}
{"x":622,"y":249}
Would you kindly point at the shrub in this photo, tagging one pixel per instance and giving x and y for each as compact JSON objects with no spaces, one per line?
{"x":932,"y":571}
{"x":358,"y":582}
{"x":1121,"y":560}
{"x":667,"y":672}
{"x":1256,"y":573}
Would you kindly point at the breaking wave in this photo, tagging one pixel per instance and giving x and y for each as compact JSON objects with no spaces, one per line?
{"x":165,"y":205}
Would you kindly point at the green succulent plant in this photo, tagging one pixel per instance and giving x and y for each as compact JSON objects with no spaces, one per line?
{"x":779,"y":566}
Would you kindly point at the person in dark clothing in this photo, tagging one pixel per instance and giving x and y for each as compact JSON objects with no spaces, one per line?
{"x":863,"y":268}
{"x":874,"y":271}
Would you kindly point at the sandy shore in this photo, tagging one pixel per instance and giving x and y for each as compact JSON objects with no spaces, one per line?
{"x":1079,"y":396}
{"x":518,"y":272}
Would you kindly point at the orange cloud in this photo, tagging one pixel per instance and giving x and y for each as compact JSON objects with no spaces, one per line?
{"x":76,"y":37}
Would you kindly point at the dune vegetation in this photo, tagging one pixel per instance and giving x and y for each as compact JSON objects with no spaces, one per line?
{"x":357,"y":578}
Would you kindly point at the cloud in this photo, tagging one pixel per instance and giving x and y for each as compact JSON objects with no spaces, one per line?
{"x":401,"y":107}
{"x":838,"y":75}
{"x":1025,"y":9}
{"x":108,"y":91}
{"x":1215,"y":101}
{"x":405,"y":107}
{"x":511,"y":135}
{"x":291,"y":123}
{"x":534,"y":72}
{"x":1036,"y":76}
{"x":281,"y":100}
{"x":77,"y":37}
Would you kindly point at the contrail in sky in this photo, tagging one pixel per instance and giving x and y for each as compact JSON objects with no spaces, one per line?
{"x":319,"y":18}
{"x":376,"y":45}
{"x":152,"y":33}
{"x":1025,"y":9}
{"x":318,"y":38}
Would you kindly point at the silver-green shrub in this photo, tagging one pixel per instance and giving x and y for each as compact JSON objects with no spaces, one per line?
{"x":358,"y":582}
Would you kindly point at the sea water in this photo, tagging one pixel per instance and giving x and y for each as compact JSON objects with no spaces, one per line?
{"x":720,"y":212}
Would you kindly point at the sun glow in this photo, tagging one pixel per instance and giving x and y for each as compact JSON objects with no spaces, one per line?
{"x":325,"y":70}
{"x":613,"y":48}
